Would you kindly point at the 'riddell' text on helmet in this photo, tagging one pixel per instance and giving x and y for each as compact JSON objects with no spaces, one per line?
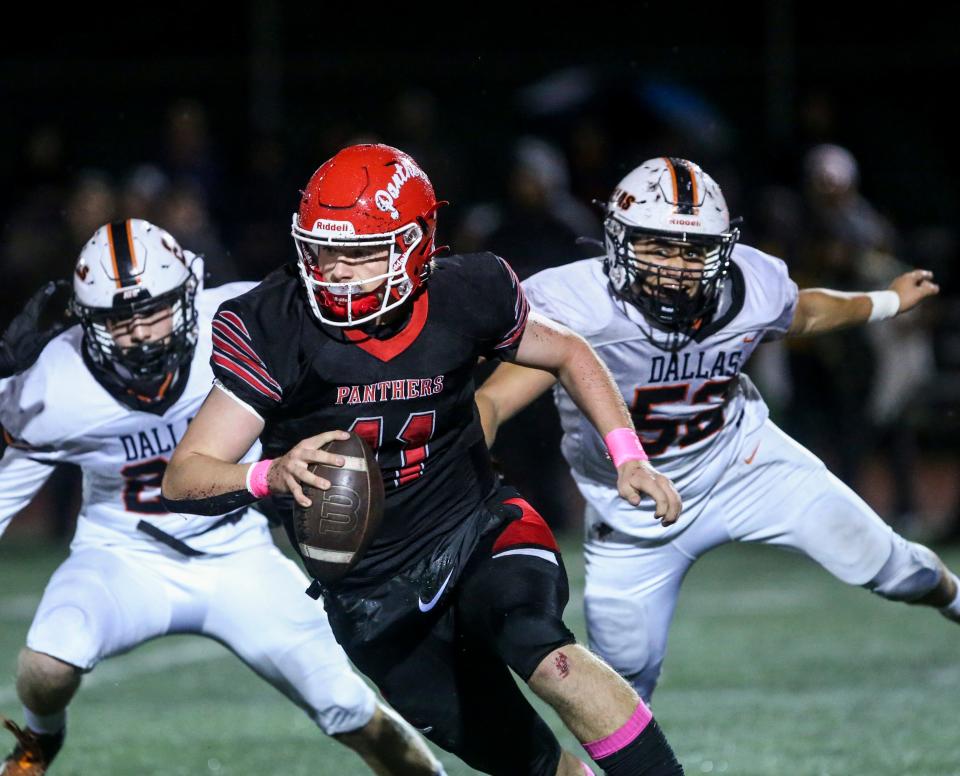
{"x":135,"y":270}
{"x":669,"y":207}
{"x":367,"y":196}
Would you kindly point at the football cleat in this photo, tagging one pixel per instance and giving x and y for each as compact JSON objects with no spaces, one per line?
{"x":33,"y":753}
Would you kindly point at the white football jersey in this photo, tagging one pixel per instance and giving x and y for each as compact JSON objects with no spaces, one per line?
{"x":56,"y":411}
{"x":693,"y":407}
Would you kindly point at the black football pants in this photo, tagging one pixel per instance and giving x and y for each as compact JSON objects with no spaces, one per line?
{"x":448,"y":675}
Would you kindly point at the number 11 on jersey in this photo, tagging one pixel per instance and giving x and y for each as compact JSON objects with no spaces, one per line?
{"x":415,"y":436}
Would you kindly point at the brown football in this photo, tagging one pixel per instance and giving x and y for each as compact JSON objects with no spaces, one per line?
{"x":336,"y":529}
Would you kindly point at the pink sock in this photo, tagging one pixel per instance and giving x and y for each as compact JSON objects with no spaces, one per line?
{"x":622,"y":737}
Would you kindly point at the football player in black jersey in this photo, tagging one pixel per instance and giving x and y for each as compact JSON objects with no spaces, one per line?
{"x":464,"y":580}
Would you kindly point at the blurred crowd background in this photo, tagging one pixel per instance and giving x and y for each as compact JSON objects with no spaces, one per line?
{"x":833,"y":146}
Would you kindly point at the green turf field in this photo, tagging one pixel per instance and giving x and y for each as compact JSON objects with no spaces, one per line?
{"x":774,"y":668}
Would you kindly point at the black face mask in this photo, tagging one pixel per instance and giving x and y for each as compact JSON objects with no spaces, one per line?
{"x":142,"y":368}
{"x":662,"y":293}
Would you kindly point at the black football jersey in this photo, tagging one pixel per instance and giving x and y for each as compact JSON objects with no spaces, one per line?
{"x":409,"y":394}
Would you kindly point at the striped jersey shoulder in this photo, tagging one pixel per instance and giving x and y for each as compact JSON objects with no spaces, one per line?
{"x":235,"y":352}
{"x":249,"y":333}
{"x":486,"y":295}
{"x":521,"y":309}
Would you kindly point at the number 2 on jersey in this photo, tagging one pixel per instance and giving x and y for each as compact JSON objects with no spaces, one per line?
{"x":141,"y":477}
{"x":415,"y":435}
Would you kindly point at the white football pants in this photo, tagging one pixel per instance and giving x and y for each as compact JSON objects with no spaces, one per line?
{"x":784,"y":497}
{"x":104,"y":601}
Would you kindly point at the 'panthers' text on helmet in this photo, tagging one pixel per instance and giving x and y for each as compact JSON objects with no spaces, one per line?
{"x":671,"y":203}
{"x":366,"y":196}
{"x":135,"y":270}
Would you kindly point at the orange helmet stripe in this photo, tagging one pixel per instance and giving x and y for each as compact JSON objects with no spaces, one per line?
{"x":684,"y":185}
{"x":120,"y":239}
{"x":673,"y":177}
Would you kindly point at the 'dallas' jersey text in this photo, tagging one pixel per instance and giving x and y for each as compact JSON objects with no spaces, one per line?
{"x":691,"y":407}
{"x":57,"y":411}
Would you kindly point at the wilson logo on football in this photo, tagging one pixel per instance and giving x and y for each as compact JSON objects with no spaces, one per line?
{"x":340,"y":510}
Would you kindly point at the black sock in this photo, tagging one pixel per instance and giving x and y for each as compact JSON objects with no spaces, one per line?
{"x":648,"y":754}
{"x":34,"y":747}
{"x":50,"y":743}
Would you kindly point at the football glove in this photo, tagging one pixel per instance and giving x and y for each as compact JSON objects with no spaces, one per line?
{"x":44,"y":316}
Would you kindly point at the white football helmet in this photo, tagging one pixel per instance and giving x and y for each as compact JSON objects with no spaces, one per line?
{"x":672,"y":201}
{"x":134,"y":268}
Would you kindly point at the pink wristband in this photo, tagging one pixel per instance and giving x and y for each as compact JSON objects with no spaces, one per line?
{"x":624,"y":445}
{"x":257,"y":478}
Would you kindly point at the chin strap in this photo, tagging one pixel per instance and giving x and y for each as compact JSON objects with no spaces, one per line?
{"x":158,"y":394}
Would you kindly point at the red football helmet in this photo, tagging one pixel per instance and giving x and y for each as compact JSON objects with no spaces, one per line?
{"x":366,"y":196}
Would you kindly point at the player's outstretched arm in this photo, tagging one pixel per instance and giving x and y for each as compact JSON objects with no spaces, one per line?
{"x":548,"y":346}
{"x":43,"y":317}
{"x":203,"y":476}
{"x":507,"y":391}
{"x":821,"y":310}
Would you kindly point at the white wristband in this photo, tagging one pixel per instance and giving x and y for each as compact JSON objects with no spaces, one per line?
{"x":886,"y":304}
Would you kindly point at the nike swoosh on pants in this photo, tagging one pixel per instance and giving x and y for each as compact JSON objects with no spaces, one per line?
{"x":426,"y":607}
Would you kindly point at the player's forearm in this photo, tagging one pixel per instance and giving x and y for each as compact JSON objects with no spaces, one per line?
{"x":203,"y":477}
{"x":547,"y":345}
{"x":591,"y":386}
{"x":820,"y":310}
{"x":199,"y":484}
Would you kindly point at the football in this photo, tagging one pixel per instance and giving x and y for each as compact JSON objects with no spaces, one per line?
{"x":336,"y":529}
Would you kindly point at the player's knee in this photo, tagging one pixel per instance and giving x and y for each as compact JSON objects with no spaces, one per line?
{"x":347,"y":706}
{"x":521,"y":599}
{"x":363,"y":739}
{"x":645,"y":681}
{"x":624,"y":637}
{"x":72,"y":633}
{"x":41,"y":676}
{"x":528,"y":635}
{"x":910,"y":572}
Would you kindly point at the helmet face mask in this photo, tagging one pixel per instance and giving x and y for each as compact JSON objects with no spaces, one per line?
{"x":351,"y":302}
{"x":367,"y":198}
{"x":668,"y":243}
{"x":143,"y":365}
{"x":132,"y":278}
{"x":675,"y":281}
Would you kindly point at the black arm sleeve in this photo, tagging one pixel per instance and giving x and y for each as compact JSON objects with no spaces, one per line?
{"x":211,"y":505}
